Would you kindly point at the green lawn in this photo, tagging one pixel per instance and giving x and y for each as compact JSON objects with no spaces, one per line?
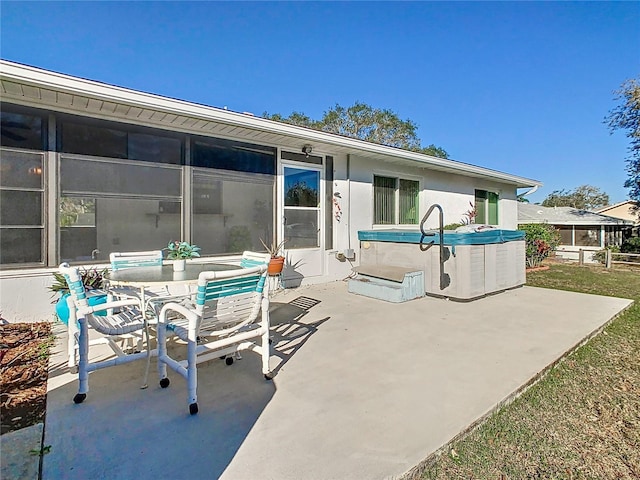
{"x":582,"y":420}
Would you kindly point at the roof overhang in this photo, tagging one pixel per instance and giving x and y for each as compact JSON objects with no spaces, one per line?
{"x":30,"y":86}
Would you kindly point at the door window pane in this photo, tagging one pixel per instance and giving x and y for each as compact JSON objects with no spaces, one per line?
{"x":301,"y":187}
{"x":301,"y":228}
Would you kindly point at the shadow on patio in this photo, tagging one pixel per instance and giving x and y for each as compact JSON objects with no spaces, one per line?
{"x":122,"y":431}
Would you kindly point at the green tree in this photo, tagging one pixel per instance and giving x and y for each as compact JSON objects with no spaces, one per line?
{"x":584,"y":197}
{"x":626,"y":116}
{"x":366,"y":123}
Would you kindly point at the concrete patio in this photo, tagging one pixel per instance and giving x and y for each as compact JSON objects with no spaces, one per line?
{"x":363,"y":389}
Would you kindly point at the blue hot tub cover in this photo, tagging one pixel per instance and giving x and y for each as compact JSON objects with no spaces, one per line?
{"x":450,"y":238}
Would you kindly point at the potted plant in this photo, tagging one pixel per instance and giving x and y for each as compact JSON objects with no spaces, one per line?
{"x":92,"y":278}
{"x":180,"y":252}
{"x":277,"y":260}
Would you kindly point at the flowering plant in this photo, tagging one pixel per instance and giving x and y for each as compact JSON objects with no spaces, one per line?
{"x":182,"y":250}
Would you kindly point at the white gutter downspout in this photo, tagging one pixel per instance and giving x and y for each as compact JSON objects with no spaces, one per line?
{"x":530,"y":191}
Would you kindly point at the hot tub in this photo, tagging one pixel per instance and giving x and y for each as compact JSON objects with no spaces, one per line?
{"x":474,"y":264}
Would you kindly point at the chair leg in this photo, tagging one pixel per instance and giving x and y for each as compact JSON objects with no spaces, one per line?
{"x":72,"y":340}
{"x":266,"y":353}
{"x":146,"y":368}
{"x":265,"y":342}
{"x":192,"y":372}
{"x":161,"y":336}
{"x":83,"y":354}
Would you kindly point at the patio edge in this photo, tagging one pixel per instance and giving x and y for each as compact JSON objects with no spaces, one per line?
{"x":415,"y":473}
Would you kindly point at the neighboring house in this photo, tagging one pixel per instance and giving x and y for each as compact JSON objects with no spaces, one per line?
{"x":90,"y":168}
{"x":627,"y":210}
{"x":579,"y":229}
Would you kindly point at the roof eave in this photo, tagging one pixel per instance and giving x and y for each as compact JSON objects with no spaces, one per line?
{"x":110,"y":93}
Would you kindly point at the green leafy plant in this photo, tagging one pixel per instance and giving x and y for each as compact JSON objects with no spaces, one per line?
{"x":541,"y":239}
{"x":601,"y":255}
{"x":92,"y":278}
{"x":273,"y":248}
{"x":452,"y":226}
{"x":182,"y":250}
{"x":631,"y":245}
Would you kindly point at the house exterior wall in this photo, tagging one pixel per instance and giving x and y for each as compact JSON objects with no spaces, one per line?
{"x":23,"y":292}
{"x":454,"y":193}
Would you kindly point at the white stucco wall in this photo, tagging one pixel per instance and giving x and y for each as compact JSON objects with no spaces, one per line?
{"x":454,"y":193}
{"x":24,"y":296}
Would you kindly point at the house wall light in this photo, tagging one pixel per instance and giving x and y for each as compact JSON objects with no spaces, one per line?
{"x":307,"y":149}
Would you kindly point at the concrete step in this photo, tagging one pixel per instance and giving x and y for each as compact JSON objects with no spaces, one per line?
{"x":389,"y":289}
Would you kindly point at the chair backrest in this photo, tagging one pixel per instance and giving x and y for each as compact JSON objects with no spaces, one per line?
{"x":254,"y":259}
{"x":76,"y":287}
{"x":233,"y":294}
{"x":122,"y":260}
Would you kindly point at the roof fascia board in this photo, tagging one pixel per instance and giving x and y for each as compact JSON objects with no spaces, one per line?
{"x":75,"y":85}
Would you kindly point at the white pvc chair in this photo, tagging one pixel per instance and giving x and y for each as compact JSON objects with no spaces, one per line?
{"x":254,"y":259}
{"x":113,"y":326}
{"x":228,"y":305}
{"x":126,"y":260}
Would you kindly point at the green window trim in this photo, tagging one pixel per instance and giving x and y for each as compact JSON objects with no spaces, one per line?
{"x":395,"y":201}
{"x":486,"y":205}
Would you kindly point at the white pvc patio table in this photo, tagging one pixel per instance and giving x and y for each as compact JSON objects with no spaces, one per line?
{"x":145,"y":277}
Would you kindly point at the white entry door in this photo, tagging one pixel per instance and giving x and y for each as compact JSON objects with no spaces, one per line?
{"x":302,"y":221}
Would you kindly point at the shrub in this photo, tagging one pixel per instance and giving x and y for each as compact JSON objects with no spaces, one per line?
{"x":541,"y":239}
{"x":601,"y":255}
{"x":631,"y":245}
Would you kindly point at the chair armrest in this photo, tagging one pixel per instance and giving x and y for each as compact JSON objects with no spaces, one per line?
{"x":108,"y":305}
{"x":177,"y":308}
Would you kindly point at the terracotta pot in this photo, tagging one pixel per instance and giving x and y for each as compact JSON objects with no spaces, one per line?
{"x":276,"y":265}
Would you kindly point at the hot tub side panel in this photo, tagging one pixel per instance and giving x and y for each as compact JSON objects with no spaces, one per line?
{"x":473,"y":270}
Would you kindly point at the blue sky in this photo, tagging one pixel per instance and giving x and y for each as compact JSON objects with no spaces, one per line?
{"x":520,"y":87}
